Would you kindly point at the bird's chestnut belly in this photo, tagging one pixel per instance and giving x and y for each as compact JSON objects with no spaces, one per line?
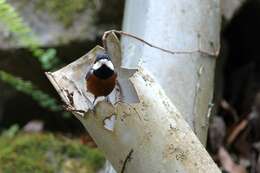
{"x":101,"y":87}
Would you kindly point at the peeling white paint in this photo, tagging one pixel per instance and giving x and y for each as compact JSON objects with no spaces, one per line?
{"x":109,"y":123}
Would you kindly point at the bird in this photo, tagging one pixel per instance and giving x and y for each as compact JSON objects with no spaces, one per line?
{"x":101,"y":78}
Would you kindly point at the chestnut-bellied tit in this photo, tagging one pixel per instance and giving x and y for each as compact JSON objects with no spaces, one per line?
{"x":101,"y":78}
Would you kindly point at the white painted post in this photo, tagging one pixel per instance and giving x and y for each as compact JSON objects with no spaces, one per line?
{"x":178,"y":26}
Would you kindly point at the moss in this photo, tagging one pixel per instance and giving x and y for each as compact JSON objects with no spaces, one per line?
{"x":64,"y":11}
{"x":45,"y":153}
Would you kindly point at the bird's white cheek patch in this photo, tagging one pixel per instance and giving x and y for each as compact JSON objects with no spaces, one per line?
{"x":109,"y":123}
{"x":97,"y":65}
{"x":109,"y":65}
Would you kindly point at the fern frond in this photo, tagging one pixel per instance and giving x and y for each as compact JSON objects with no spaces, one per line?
{"x":25,"y":36}
{"x":28,"y":88}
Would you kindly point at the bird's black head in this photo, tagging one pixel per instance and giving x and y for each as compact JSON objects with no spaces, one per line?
{"x":103,"y":67}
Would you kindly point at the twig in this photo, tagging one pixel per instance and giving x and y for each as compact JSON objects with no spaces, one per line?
{"x":147,"y":43}
{"x":128,"y":158}
{"x":236,"y":131}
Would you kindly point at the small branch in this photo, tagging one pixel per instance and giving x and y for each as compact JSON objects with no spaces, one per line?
{"x":128,"y":158}
{"x":149,"y":44}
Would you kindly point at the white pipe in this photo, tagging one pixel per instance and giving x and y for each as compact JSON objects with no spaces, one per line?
{"x":178,"y":26}
{"x":148,"y":136}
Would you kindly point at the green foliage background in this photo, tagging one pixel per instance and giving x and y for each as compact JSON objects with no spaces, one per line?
{"x":46,"y":153}
{"x":26,"y":38}
{"x":41,"y":153}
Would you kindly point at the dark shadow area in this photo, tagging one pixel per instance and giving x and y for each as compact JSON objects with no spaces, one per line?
{"x":234,"y":131}
{"x":242,"y":67}
{"x":113,"y":15}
